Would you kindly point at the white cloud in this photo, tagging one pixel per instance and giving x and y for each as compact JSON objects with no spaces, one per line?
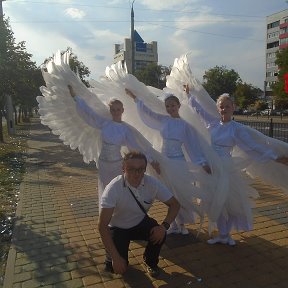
{"x":107,"y":35}
{"x":166,"y":4}
{"x":201,"y":19}
{"x":65,"y":1}
{"x":116,"y":2}
{"x":75,"y":13}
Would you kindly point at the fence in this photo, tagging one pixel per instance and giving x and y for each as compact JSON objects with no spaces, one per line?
{"x":275,"y":130}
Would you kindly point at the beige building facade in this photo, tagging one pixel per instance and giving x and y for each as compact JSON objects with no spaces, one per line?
{"x":145,"y":53}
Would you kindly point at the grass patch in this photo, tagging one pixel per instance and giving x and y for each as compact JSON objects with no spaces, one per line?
{"x":12,"y":159}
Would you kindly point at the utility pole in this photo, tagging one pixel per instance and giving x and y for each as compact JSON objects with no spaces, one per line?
{"x":1,"y":10}
{"x":132,"y":40}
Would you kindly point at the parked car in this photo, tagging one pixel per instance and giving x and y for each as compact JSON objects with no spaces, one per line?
{"x":246,"y":112}
{"x":265,"y":112}
{"x":257,"y":113}
{"x":275,"y":112}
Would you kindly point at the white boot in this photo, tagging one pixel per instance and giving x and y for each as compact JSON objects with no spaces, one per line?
{"x":174,"y":229}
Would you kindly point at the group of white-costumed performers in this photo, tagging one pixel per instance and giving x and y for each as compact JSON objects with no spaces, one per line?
{"x":191,"y":142}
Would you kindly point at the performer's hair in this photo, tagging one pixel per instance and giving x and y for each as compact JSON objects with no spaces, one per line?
{"x":135,"y":155}
{"x":223,"y":97}
{"x":113,"y":101}
{"x":171,"y":96}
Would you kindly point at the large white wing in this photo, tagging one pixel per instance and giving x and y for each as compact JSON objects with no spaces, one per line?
{"x":271,"y":172}
{"x":181,"y":74}
{"x":58,"y":110}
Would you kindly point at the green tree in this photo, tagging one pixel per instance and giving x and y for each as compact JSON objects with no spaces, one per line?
{"x":258,"y":105}
{"x":16,"y":70}
{"x":153,"y":75}
{"x":27,"y":89}
{"x":219,"y":80}
{"x":246,"y":95}
{"x":278,"y":88}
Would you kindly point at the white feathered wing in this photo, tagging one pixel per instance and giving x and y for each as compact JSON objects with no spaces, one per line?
{"x":57,"y":108}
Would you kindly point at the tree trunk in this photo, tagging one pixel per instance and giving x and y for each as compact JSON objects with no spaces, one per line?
{"x":1,"y":128}
{"x":19,"y":115}
{"x":15,"y":115}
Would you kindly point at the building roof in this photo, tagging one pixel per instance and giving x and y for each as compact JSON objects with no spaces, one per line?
{"x":137,"y":37}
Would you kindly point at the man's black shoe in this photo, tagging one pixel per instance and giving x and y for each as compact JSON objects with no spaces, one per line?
{"x":153,"y":271}
{"x":109,"y":267}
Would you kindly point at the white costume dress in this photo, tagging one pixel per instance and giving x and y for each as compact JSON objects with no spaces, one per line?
{"x":176,"y":134}
{"x":114,"y":136}
{"x":234,"y":203}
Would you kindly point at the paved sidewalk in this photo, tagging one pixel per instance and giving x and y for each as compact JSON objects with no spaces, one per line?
{"x":56,"y":242}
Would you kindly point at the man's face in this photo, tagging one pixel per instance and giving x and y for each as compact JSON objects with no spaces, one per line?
{"x":134,"y":170}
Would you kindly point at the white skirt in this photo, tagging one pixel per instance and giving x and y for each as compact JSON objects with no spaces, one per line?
{"x":233,"y":199}
{"x":107,"y":170}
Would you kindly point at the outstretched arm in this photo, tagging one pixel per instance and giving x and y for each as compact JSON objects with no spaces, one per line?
{"x":72,"y":92}
{"x":194,"y":150}
{"x":196,"y":106}
{"x":85,"y":111}
{"x":130,"y":93}
{"x":135,"y":141}
{"x":282,"y":160}
{"x":150,"y":118}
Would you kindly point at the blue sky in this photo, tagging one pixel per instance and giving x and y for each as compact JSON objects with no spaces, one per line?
{"x":215,"y":32}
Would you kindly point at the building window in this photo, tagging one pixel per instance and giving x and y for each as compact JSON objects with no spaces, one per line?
{"x":273,"y":24}
{"x":271,"y":55}
{"x":272,"y":64}
{"x":272,"y":44}
{"x":270,"y":74}
{"x":283,"y":41}
{"x":273,"y":34}
{"x":284,"y":30}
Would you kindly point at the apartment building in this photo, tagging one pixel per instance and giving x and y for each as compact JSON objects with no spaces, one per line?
{"x":276,"y":38}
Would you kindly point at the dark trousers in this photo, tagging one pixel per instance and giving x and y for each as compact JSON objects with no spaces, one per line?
{"x":122,"y":237}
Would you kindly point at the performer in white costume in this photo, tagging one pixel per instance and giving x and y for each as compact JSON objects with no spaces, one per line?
{"x":175,"y":133}
{"x":115,"y":134}
{"x":235,"y":198}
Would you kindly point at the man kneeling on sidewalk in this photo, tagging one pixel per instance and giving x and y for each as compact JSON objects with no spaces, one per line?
{"x":123,"y":215}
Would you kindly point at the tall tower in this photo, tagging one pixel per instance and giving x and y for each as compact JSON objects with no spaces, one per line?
{"x":135,"y":52}
{"x":132,"y":40}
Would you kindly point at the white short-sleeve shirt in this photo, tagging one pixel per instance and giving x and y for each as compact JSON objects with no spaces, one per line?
{"x":127,"y":213}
